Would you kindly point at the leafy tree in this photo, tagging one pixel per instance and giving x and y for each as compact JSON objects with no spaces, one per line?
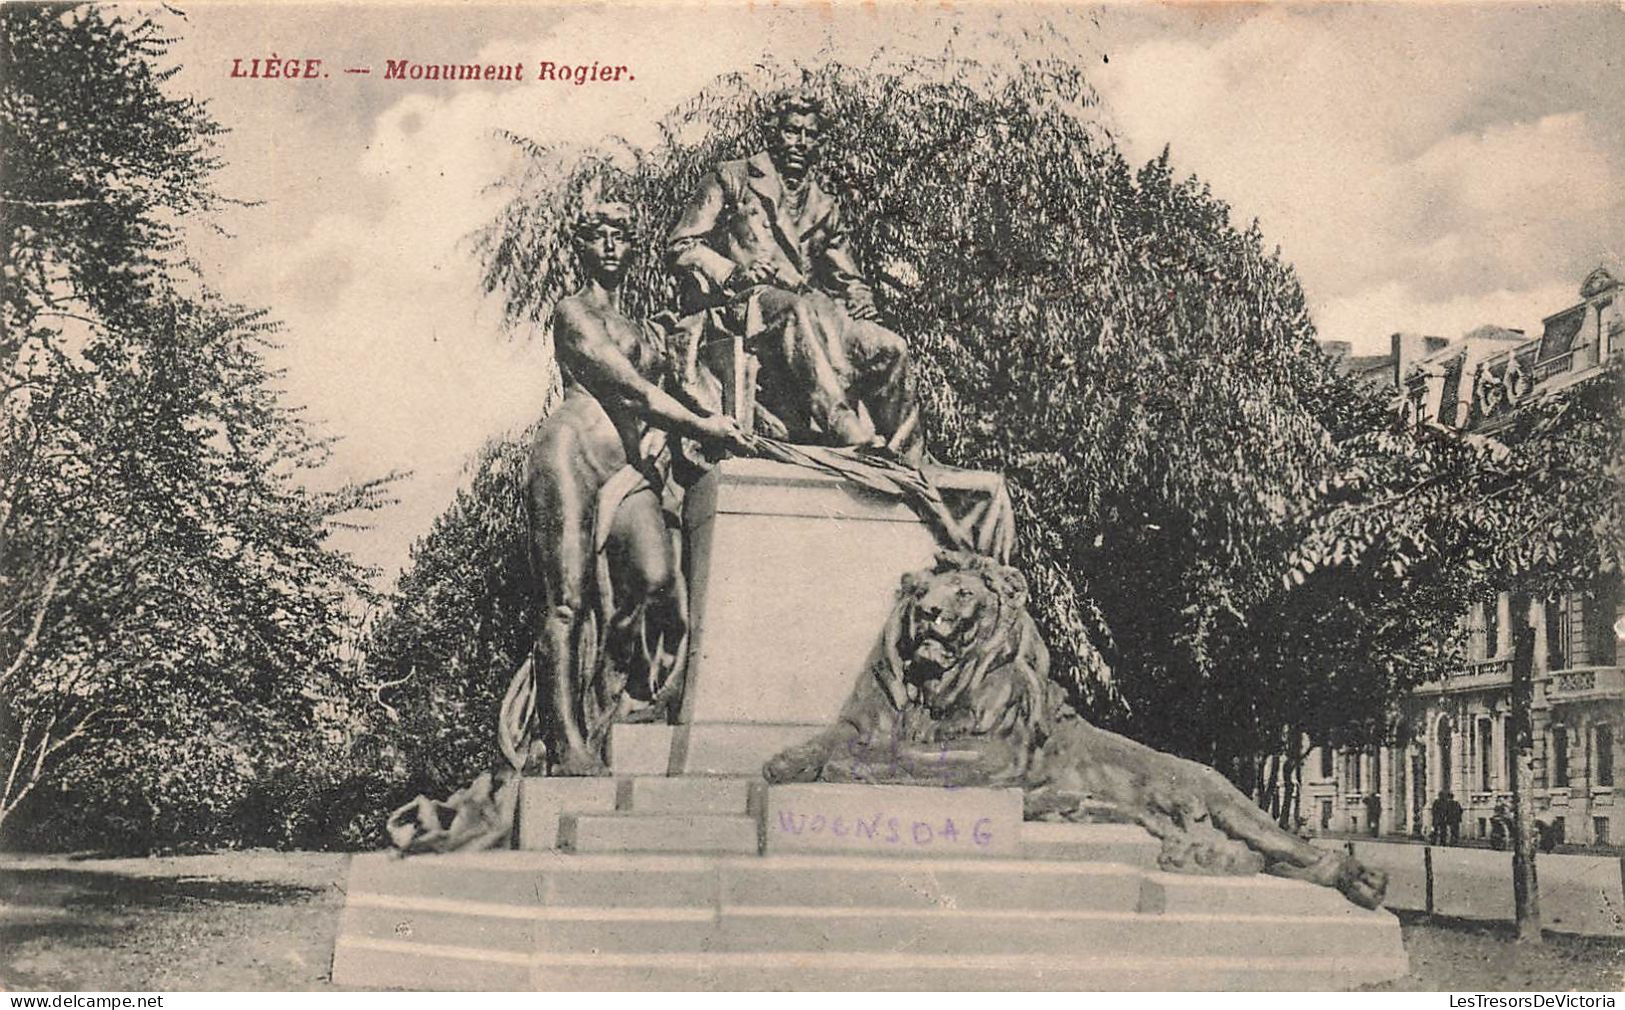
{"x":459,"y":623}
{"x":169,"y":608}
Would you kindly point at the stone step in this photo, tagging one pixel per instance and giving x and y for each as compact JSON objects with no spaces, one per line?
{"x":735,"y":748}
{"x":1179,"y":893}
{"x":528,"y":879}
{"x":437,"y":925}
{"x":934,"y":883}
{"x":361,"y":962}
{"x":542,"y":800}
{"x":688,"y":794}
{"x":1127,"y":844}
{"x":506,"y":920}
{"x":634,"y":832}
{"x":768,"y":929}
{"x":399,"y":964}
{"x":540,"y":878}
{"x":986,"y":931}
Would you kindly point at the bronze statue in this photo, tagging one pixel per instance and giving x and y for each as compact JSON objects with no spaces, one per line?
{"x":612,"y":614}
{"x":765,"y":248}
{"x":959,"y":695}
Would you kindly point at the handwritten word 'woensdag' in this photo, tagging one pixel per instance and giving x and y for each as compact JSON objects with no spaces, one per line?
{"x":885,"y":830}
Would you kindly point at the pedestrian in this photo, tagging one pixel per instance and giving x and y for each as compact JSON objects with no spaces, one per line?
{"x":1452,"y":819}
{"x":1438,"y":813}
{"x":1500,"y":827}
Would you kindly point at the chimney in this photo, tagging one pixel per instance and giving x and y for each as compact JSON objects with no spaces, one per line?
{"x":1408,"y":349}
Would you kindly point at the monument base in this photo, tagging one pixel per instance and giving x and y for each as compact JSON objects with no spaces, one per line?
{"x":1064,"y":907}
{"x":791,"y":575}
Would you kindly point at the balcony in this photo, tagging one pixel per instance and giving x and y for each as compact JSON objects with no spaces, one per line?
{"x":1585,"y":683}
{"x":1557,"y":365}
{"x":1485,"y":673}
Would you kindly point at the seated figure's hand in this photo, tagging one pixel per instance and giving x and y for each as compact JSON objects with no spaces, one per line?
{"x":748,"y":275}
{"x":722,"y":434}
{"x":860,"y":304}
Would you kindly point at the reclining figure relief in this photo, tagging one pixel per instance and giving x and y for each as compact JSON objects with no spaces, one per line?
{"x":958,"y":693}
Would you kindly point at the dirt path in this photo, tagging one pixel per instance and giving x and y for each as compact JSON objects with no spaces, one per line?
{"x":254,"y":920}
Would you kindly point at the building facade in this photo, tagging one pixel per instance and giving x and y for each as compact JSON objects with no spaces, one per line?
{"x":1454,"y":733}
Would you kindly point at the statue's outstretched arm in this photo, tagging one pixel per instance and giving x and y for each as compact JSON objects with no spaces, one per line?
{"x":584,"y":348}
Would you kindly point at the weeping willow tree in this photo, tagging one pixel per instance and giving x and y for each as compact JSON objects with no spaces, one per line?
{"x":1142,"y":371}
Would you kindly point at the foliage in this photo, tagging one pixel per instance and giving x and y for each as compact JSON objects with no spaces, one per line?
{"x":170,"y":612}
{"x":458,"y":625}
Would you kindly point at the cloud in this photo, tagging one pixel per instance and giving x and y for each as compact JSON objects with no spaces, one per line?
{"x":1422,"y":169}
{"x":1410,"y":164}
{"x":1373,"y":312}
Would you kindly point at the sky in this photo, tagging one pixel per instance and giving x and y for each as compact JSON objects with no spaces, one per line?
{"x":1424,"y":168}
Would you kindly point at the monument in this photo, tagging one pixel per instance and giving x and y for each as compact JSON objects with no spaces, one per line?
{"x":849,"y":767}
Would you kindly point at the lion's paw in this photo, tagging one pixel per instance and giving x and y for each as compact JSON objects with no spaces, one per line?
{"x":798,"y":764}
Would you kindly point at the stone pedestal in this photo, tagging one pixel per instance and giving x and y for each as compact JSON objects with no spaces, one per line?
{"x":791,"y":576}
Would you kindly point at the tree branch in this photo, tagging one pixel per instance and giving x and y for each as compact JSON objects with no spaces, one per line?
{"x":30,"y":642}
{"x":80,"y":202}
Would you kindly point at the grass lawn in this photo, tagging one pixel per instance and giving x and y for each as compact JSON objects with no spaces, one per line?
{"x":264,"y":920}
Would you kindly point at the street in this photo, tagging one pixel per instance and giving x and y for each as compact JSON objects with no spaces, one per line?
{"x":1578,"y":894}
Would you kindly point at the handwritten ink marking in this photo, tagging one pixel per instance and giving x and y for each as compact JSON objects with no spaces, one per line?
{"x":980,"y":834}
{"x":920,"y":834}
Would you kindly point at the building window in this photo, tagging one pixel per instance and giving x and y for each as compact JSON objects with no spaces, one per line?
{"x":1509,"y":747}
{"x":1354,"y":771}
{"x":1446,"y":754}
{"x":1325,"y":815}
{"x":1557,"y":634}
{"x":1325,"y":762}
{"x":1486,"y":756}
{"x":1602,"y":607}
{"x":1605,"y":755}
{"x":1560,"y":757}
{"x":1492,"y":627}
{"x":1599,"y":831}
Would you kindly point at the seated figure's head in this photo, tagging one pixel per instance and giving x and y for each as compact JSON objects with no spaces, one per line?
{"x":602,"y":236}
{"x":793,"y":132}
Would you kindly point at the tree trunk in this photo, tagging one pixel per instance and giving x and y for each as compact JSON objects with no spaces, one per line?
{"x":1525,"y":890}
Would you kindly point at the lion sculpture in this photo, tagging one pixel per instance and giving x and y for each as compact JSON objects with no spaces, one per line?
{"x":959,"y":694}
